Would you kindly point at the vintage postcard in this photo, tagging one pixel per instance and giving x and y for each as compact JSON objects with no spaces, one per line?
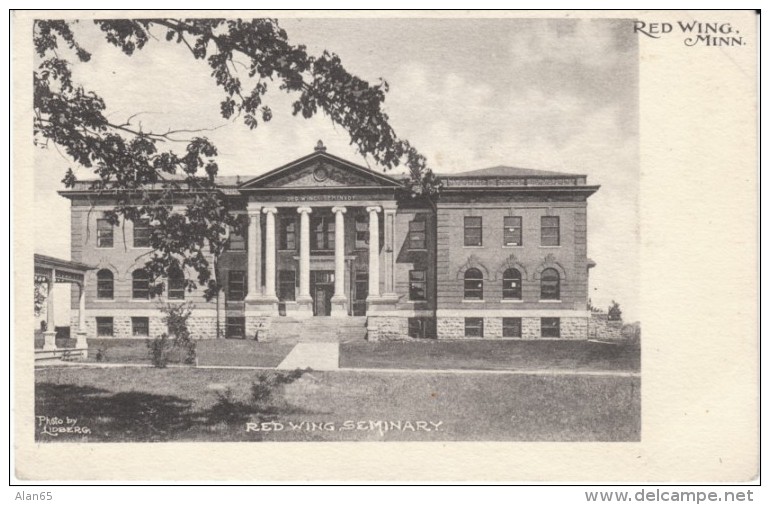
{"x":323,"y":245}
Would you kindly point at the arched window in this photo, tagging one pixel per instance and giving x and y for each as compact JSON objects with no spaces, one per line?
{"x":474,"y":284}
{"x":140,"y":285}
{"x":512,"y":284}
{"x":105,"y":284}
{"x":550,"y":285}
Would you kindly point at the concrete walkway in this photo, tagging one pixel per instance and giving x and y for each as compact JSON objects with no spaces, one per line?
{"x":318,"y":356}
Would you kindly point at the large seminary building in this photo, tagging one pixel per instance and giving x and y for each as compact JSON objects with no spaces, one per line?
{"x":336,"y":247}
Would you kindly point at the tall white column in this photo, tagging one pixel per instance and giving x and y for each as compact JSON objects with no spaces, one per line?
{"x":304,"y":254}
{"x":390,"y":254}
{"x":339,"y":251}
{"x":254,"y":253}
{"x":339,"y":307}
{"x":82,"y":306}
{"x":270,"y":252}
{"x":80,"y":335}
{"x":49,"y":342}
{"x":374,"y":252}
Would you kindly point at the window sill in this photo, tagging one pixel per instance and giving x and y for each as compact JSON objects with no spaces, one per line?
{"x":513,"y":246}
{"x":549,"y":301}
{"x":473,"y":301}
{"x":508,"y":300}
{"x":473,"y":246}
{"x":549,"y":246}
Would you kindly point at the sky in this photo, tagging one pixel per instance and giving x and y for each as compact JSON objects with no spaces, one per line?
{"x":550,"y":94}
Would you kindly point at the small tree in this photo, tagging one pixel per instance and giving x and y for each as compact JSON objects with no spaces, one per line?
{"x":613,"y":312}
{"x":175,"y":317}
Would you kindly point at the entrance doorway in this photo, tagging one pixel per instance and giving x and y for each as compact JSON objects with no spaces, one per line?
{"x":322,"y":290}
{"x":360,"y":292}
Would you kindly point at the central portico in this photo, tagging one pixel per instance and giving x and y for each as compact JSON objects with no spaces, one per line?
{"x":320,"y":239}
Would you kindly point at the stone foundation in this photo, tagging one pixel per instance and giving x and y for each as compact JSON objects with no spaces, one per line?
{"x":382,"y":328}
{"x":530,"y":328}
{"x":493,"y":327}
{"x":258,"y":328}
{"x":600,"y":328}
{"x":450,"y":327}
{"x":574,"y":328}
{"x":200,"y":327}
{"x":570,"y":328}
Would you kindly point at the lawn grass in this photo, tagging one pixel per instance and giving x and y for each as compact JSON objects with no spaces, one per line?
{"x":119,"y":350}
{"x":526,"y":355}
{"x":188,"y":404}
{"x":226,"y":352}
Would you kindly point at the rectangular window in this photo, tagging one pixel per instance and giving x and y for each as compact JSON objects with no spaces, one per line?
{"x":104,"y":231}
{"x":474,"y":327}
{"x":417,"y":235}
{"x":549,"y":327}
{"x":549,"y":230}
{"x":140,"y":326}
{"x":512,"y":230}
{"x":104,"y":327}
{"x":236,"y":241}
{"x":235,"y":327}
{"x":417,"y":285}
{"x":236,"y":285}
{"x":286,"y":283}
{"x":362,"y":231}
{"x":176,"y":285}
{"x":472,"y":231}
{"x":140,"y":285}
{"x":512,"y":327}
{"x":288,"y":236}
{"x":142,"y":233}
{"x":322,"y":233}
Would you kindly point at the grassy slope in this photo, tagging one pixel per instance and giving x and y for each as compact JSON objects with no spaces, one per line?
{"x":491,"y":355}
{"x":146,"y":404}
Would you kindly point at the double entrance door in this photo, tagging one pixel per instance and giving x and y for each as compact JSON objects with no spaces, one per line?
{"x":322,"y":290}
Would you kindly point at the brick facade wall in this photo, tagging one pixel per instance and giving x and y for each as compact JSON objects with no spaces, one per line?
{"x":492,"y":258}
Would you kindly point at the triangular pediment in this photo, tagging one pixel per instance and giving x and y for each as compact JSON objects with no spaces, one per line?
{"x":320,"y":170}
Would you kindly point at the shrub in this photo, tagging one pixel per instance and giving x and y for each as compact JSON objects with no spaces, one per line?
{"x":176,"y":317}
{"x":632,"y":334}
{"x":613,"y":312}
{"x":263,"y":388}
{"x":159,"y":348}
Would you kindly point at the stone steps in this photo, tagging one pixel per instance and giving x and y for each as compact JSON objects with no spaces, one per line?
{"x":318,"y":329}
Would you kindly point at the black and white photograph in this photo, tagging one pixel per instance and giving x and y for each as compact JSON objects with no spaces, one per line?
{"x":285,"y":230}
{"x":276,"y":229}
